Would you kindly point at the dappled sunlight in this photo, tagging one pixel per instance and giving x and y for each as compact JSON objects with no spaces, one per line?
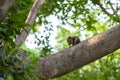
{"x":95,"y":39}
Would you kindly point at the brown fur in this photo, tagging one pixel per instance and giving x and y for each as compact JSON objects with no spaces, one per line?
{"x":73,"y":40}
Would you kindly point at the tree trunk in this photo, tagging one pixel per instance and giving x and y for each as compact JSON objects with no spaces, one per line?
{"x":77,"y":56}
{"x":4,"y":6}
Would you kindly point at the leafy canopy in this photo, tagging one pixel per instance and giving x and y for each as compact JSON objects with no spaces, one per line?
{"x":83,"y":18}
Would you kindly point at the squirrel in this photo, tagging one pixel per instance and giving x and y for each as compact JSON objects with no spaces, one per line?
{"x":73,"y":40}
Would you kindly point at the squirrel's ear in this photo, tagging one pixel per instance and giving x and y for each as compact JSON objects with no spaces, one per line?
{"x":69,"y":36}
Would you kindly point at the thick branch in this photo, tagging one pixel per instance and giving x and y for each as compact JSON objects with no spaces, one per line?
{"x":75,"y":57}
{"x":4,"y":6}
{"x":30,"y":20}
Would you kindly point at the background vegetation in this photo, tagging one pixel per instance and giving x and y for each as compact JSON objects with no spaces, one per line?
{"x":83,"y":18}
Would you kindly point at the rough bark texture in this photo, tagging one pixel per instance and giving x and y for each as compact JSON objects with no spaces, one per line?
{"x":71,"y":58}
{"x":75,"y":57}
{"x":4,"y":6}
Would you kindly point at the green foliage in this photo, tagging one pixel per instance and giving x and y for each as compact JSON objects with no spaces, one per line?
{"x":43,"y":41}
{"x":12,"y":67}
{"x":14,"y":21}
{"x":83,"y":18}
{"x":95,"y":1}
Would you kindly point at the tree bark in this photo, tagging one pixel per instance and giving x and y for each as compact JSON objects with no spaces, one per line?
{"x":30,"y":20}
{"x":4,"y":6}
{"x":71,"y":58}
{"x":77,"y":56}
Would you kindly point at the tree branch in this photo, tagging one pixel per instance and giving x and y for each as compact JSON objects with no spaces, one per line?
{"x":104,"y":10}
{"x":114,"y":10}
{"x":4,"y":6}
{"x":109,"y":14}
{"x":77,"y":56}
{"x":30,"y":20}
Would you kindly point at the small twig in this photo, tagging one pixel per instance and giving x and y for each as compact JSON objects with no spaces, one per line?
{"x":114,"y":11}
{"x":109,"y":14}
{"x":104,"y":10}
